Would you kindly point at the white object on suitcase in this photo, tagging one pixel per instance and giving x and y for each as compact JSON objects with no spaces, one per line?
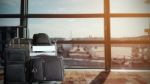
{"x":44,"y":50}
{"x":51,"y":48}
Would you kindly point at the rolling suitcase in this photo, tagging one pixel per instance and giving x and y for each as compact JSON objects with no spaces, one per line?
{"x":16,"y":64}
{"x":47,"y":68}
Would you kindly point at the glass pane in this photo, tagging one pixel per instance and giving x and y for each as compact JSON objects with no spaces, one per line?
{"x":131,"y":56}
{"x":130,"y":6}
{"x":9,"y":22}
{"x":130,"y":28}
{"x":10,"y":6}
{"x":83,"y":55}
{"x":66,"y":6}
{"x":68,"y":29}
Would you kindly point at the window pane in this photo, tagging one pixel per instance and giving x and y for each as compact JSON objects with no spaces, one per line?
{"x":83,"y":55}
{"x":65,"y":6}
{"x":130,"y":28}
{"x":130,"y":6}
{"x":10,"y":6}
{"x":9,"y":22}
{"x":131,"y":56}
{"x":68,"y":28}
{"x":75,"y":55}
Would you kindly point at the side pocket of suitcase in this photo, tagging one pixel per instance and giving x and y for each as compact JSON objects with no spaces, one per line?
{"x":54,"y":70}
{"x":15,"y":72}
{"x":15,"y":65}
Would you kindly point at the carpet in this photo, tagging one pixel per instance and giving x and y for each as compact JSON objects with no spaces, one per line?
{"x":90,"y":76}
{"x":101,"y":77}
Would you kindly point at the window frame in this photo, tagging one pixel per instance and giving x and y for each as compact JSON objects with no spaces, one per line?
{"x":24,"y":16}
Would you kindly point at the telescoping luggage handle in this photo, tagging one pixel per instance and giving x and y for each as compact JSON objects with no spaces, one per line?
{"x":16,"y":42}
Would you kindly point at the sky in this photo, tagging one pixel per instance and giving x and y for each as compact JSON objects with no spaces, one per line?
{"x":83,"y":27}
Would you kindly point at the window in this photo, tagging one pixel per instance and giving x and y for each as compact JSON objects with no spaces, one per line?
{"x":68,"y":28}
{"x":65,"y":6}
{"x":74,"y":29}
{"x":83,"y":55}
{"x":129,"y":28}
{"x":129,"y":6}
{"x":131,"y":56}
{"x":128,"y":31}
{"x":9,"y":21}
{"x":10,"y":6}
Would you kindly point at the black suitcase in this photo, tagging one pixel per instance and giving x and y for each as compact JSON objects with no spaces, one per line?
{"x":16,"y":64}
{"x":47,"y":68}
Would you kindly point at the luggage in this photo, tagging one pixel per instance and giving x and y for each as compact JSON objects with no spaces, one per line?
{"x":16,"y":64}
{"x":47,"y":68}
{"x":43,"y":65}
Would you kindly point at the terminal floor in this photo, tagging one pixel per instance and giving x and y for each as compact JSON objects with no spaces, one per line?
{"x":92,"y":76}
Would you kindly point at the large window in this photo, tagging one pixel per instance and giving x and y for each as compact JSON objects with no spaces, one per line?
{"x":83,"y":25}
{"x":72,"y":29}
{"x":129,"y":34}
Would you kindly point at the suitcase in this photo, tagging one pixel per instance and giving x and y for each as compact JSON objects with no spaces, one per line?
{"x":47,"y":68}
{"x":16,"y":64}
